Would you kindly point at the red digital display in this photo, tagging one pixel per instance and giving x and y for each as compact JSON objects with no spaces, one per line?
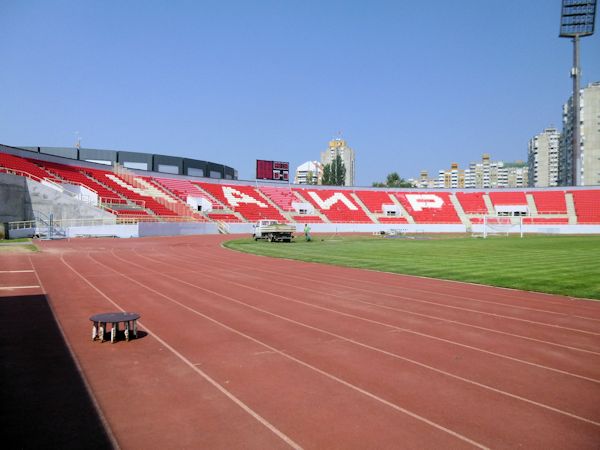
{"x":272,"y":170}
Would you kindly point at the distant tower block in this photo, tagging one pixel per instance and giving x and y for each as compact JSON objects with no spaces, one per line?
{"x":339,"y":146}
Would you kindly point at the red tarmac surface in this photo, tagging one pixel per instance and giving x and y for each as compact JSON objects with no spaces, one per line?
{"x":251,"y":352}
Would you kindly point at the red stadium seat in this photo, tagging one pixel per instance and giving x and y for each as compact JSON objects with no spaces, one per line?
{"x":550,"y":202}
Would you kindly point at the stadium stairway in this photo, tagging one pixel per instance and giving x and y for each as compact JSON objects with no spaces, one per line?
{"x":531,"y":206}
{"x":460,"y":211}
{"x":113,"y":201}
{"x":488,"y":203}
{"x":403,"y":212}
{"x":360,"y":203}
{"x":571,"y":208}
{"x":144,"y":189}
{"x":149,"y":187}
{"x":178,"y":205}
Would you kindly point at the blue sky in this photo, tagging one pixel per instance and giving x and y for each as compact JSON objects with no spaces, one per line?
{"x":410,"y":85}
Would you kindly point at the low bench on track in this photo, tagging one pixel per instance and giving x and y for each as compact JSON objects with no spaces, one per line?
{"x":129,"y":319}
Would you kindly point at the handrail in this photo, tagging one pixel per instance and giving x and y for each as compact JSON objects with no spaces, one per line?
{"x":23,"y":173}
{"x":120,"y":201}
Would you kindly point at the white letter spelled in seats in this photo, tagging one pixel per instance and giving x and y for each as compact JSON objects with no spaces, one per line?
{"x":337,"y":197}
{"x":420,"y":201}
{"x":235,"y":197}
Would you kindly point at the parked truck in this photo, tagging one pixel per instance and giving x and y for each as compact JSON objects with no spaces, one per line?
{"x":273,"y":231}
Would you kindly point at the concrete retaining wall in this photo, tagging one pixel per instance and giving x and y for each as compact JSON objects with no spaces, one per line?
{"x":121,"y":231}
{"x":63,"y":206}
{"x":241,"y":228}
{"x":144,"y":229}
{"x":176,"y":228}
{"x":15,"y":202}
{"x":22,"y":233}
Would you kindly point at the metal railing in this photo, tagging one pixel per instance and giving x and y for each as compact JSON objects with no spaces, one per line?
{"x":22,"y":173}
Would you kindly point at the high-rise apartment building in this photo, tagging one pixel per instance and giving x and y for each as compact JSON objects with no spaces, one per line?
{"x":496,"y":174}
{"x":310,"y":172}
{"x":452,"y":178}
{"x":542,"y":158}
{"x":480,"y":175}
{"x":589,"y":103}
{"x":339,"y":147}
{"x":517,"y":175}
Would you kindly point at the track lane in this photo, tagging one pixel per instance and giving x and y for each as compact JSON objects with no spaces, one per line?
{"x":148,"y":395}
{"x":393,"y":287}
{"x":470,"y":292}
{"x":283,"y":388}
{"x":435,"y":325}
{"x":326,"y":351}
{"x":499,"y":373}
{"x":421,"y":376}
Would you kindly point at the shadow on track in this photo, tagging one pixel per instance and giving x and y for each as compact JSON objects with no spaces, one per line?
{"x":45,"y":403}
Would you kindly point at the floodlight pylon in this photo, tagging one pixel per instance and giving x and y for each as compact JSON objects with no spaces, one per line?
{"x":577,"y":19}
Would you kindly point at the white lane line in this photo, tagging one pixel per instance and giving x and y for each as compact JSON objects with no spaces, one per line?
{"x":441,"y":280}
{"x":415,"y":300}
{"x":10,"y":288}
{"x":396,"y":329}
{"x":16,"y":271}
{"x":193,"y":366}
{"x":286,"y":355}
{"x":396,"y":309}
{"x":360,"y":344}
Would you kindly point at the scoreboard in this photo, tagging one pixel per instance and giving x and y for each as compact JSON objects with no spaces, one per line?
{"x":272,"y":170}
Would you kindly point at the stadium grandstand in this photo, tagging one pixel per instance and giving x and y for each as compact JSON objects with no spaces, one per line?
{"x":84,"y":192}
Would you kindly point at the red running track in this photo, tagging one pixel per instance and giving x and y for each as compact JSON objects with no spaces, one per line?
{"x":251,"y":352}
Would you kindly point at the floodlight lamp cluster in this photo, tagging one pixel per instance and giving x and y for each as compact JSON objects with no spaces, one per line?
{"x":577,"y":18}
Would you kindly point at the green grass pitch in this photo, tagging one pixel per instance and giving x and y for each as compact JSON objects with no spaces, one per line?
{"x":566,"y":265}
